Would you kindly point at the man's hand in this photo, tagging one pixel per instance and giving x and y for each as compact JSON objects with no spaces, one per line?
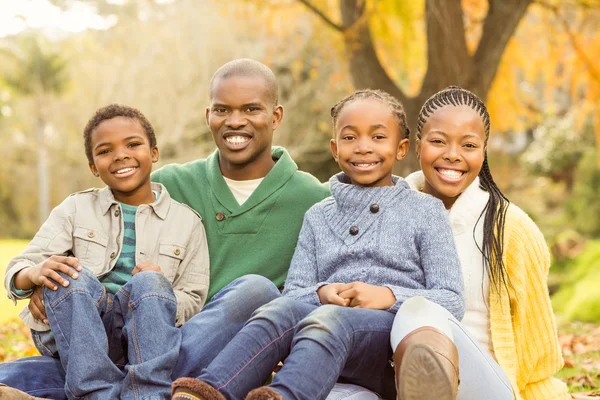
{"x":146,"y":266}
{"x":363,"y":295}
{"x":47,"y":274}
{"x":329,"y":294}
{"x":36,"y":305}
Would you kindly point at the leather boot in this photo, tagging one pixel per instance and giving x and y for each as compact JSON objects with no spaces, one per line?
{"x":426,"y":366}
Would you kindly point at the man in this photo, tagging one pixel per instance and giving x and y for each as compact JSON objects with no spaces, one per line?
{"x":252,"y":200}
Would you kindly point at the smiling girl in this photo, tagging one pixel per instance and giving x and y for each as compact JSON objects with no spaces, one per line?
{"x":507,"y":340}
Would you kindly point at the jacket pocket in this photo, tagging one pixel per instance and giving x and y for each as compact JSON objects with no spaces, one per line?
{"x":169,"y":259}
{"x":90,"y":247}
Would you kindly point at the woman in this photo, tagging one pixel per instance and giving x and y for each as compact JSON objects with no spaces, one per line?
{"x":507,"y":342}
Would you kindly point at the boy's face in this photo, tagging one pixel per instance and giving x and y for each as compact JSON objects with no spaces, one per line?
{"x":242,"y":118}
{"x":368,"y":142}
{"x":123,"y":159}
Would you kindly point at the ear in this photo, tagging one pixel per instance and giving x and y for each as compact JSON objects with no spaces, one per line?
{"x":154,"y":154}
{"x":206,"y":115}
{"x":403,"y":147}
{"x":277,"y":116}
{"x":334,"y":149}
{"x":94,"y":170}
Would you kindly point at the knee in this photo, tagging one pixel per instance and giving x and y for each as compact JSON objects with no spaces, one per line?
{"x":325,"y":320}
{"x":86,"y":282}
{"x":147,"y":282}
{"x":257,"y":290}
{"x":417,"y":304}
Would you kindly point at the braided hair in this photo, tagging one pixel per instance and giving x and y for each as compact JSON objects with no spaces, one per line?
{"x":394,"y":104}
{"x":494,"y":213}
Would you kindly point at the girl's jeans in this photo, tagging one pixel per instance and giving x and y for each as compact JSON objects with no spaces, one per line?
{"x":111,"y":346}
{"x":318,"y":344}
{"x":480,"y":375}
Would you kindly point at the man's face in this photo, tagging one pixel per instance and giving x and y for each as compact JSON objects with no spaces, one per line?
{"x":242,"y":118}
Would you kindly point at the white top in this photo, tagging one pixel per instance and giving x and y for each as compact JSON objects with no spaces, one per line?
{"x":242,"y":190}
{"x":463,"y":219}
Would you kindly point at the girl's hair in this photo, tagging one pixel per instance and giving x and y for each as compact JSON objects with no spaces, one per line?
{"x":494,"y":212}
{"x":396,"y":107}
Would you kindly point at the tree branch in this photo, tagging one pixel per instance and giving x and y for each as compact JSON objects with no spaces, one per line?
{"x":322,"y":15}
{"x":573,"y":39}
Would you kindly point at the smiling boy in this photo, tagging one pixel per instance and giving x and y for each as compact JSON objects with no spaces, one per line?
{"x":120,"y":267}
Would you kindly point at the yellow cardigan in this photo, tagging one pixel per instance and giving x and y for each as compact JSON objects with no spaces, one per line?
{"x":523,"y":328}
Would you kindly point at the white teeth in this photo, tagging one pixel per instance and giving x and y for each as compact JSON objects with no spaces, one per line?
{"x":451,"y":173}
{"x":237,"y":139}
{"x":365,"y":165}
{"x":124,"y":170}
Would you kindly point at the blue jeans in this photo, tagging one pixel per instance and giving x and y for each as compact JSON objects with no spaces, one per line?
{"x":203,"y":337}
{"x":318,"y":344}
{"x":115,"y":346}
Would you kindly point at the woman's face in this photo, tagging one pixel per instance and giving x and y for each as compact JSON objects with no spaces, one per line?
{"x":451,"y":151}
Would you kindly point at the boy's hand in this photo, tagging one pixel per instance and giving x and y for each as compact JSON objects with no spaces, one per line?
{"x":329,"y":294}
{"x":47,"y":274}
{"x":363,"y":295}
{"x":146,"y":266}
{"x":36,"y":305}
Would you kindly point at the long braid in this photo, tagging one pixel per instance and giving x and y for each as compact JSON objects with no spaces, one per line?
{"x":394,"y":104}
{"x":494,"y":213}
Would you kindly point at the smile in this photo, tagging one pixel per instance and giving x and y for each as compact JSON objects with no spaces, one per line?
{"x":450,"y":174}
{"x":125,"y":172}
{"x":365,"y":166}
{"x":237,"y":139}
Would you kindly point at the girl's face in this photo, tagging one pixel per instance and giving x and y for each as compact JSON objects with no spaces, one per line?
{"x":368,"y":142}
{"x":451,"y":151}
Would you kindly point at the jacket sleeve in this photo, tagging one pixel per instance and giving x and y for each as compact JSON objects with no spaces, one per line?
{"x":55,"y":237}
{"x":302,"y":280}
{"x":441,"y":266}
{"x":193,"y":275}
{"x":536,"y":339}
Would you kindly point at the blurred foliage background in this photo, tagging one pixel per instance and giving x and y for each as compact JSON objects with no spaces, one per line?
{"x":533,"y":61}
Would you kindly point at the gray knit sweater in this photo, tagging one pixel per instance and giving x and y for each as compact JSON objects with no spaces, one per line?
{"x":388,"y":236}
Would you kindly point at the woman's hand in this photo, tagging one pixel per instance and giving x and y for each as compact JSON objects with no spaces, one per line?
{"x":363,"y":295}
{"x":329,"y":294}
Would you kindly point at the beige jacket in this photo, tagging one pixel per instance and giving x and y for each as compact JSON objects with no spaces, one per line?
{"x":89,"y":226}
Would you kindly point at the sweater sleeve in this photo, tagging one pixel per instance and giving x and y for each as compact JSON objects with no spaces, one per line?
{"x":536,"y":339}
{"x":302,"y":280}
{"x":441,"y":266}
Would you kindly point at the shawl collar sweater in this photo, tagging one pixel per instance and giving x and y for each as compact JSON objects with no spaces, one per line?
{"x":388,"y":236}
{"x":522,"y":325}
{"x":257,"y":237}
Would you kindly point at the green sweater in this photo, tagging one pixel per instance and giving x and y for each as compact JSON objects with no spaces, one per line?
{"x":258,"y":237}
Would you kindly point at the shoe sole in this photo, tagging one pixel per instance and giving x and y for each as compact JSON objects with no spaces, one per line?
{"x":422,"y":376}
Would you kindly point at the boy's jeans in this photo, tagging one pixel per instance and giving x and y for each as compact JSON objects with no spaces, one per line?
{"x":320,"y":343}
{"x":114,"y":346}
{"x":204,"y":335}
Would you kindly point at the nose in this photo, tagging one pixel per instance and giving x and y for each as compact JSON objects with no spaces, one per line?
{"x":236,"y":120}
{"x":363,"y":146}
{"x":452,"y":154}
{"x":120,"y":153}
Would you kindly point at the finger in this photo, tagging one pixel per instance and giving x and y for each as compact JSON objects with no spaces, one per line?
{"x":44,"y":281}
{"x":337,"y":300}
{"x":355,"y":302}
{"x":38,"y":303}
{"x":348,"y":294}
{"x":67,"y":270}
{"x":35,"y":311}
{"x":55,"y":276}
{"x":136,"y":270}
{"x":71,"y":261}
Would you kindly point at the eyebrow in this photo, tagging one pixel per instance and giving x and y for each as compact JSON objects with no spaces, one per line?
{"x":255,"y":104}
{"x":371,"y":128}
{"x":124,"y":140}
{"x":470,"y":135}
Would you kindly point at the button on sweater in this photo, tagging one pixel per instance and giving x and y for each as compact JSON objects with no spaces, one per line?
{"x":407,"y":245}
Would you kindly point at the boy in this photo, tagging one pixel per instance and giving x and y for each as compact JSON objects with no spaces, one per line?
{"x":121,"y":268}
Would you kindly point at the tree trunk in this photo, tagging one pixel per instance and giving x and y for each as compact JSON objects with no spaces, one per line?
{"x":42,"y":172}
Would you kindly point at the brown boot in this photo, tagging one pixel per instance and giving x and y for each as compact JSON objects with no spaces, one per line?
{"x":426,"y":364}
{"x":264,"y":393}
{"x":193,"y":389}
{"x":8,"y":393}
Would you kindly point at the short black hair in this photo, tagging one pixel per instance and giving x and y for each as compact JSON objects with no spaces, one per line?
{"x":112,"y":111}
{"x":246,"y":67}
{"x":393,"y":103}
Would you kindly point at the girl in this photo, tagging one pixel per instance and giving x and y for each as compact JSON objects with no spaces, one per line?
{"x":361,"y":253}
{"x":507,"y":340}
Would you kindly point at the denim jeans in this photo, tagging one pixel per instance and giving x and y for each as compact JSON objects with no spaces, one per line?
{"x":318,"y":344}
{"x":203,"y":337}
{"x":115,"y":346}
{"x":480,"y":375}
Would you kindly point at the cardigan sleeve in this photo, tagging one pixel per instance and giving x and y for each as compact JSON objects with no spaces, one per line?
{"x":536,"y":339}
{"x":302,"y":280}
